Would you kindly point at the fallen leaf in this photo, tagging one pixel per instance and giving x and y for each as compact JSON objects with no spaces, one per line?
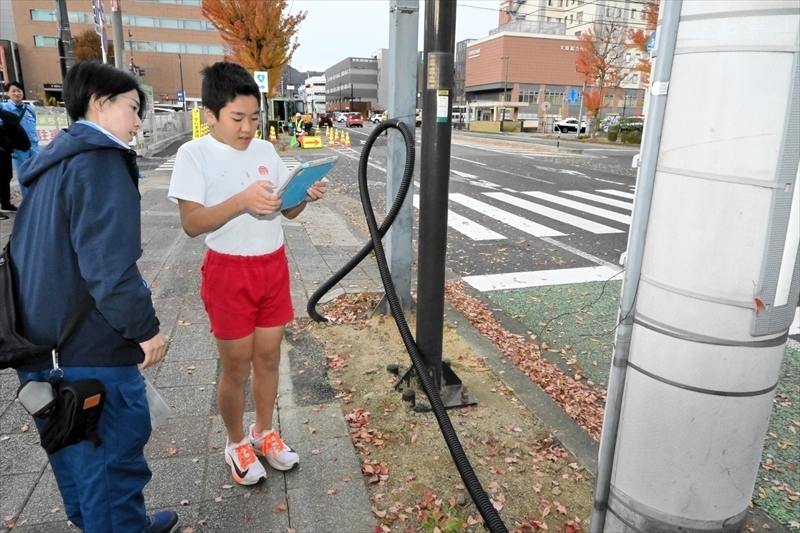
{"x":280,"y":508}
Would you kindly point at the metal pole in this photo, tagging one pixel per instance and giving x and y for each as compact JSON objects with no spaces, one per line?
{"x":66,"y":54}
{"x":667,"y":35}
{"x":119,"y":37}
{"x":580,"y":111}
{"x":183,"y":92}
{"x":440,"y":26}
{"x":403,"y":32}
{"x":505,"y":88}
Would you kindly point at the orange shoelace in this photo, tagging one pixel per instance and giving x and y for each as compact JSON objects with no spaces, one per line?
{"x":245,"y":455}
{"x":273,"y":442}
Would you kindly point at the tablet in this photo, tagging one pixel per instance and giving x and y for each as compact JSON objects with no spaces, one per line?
{"x":293,"y":190}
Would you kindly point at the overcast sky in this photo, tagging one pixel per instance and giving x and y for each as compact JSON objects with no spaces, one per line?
{"x":335,"y":30}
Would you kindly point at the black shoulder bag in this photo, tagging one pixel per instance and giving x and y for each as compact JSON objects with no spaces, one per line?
{"x":72,"y":410}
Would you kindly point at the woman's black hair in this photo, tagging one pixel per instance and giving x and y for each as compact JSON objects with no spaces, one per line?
{"x":92,"y":78}
{"x":223,"y":82}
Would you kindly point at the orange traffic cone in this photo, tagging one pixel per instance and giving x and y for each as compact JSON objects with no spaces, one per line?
{"x":347,"y":139}
{"x":331,"y":141}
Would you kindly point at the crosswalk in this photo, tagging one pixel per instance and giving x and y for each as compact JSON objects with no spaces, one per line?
{"x":530,"y":152}
{"x":546,"y":205}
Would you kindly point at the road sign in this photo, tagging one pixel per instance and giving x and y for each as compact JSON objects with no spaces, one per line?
{"x":262,"y":78}
{"x":546,"y":106}
{"x":573,"y":96}
{"x":180,"y":96}
{"x":651,"y":44}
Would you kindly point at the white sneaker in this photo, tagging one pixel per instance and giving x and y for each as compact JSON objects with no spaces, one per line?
{"x":246,"y":469}
{"x":269,"y":445}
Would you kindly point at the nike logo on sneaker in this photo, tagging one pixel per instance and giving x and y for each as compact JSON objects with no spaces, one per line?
{"x":239,"y":472}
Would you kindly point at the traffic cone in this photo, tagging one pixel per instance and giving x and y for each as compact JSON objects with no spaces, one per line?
{"x":347,"y":140}
{"x":338,"y":136}
{"x":272,"y":137}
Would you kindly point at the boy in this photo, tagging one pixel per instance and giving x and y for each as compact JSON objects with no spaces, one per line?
{"x":82,"y":213}
{"x":222,"y":185}
{"x":28,"y":121}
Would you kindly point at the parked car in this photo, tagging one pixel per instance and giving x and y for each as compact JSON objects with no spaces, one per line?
{"x":608,"y":121}
{"x":340,"y":116}
{"x":631,"y":124}
{"x":354,"y":119}
{"x":376,"y":118}
{"x":325,"y":119}
{"x":569,"y":125}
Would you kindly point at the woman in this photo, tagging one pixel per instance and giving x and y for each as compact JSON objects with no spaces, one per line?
{"x":79,"y":230}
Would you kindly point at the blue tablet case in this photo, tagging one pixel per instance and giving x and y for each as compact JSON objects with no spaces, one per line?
{"x":293,"y":190}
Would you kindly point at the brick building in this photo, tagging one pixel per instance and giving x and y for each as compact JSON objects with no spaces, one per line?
{"x":156,"y":33}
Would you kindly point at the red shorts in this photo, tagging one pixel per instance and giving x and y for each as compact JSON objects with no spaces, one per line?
{"x":242,"y":292}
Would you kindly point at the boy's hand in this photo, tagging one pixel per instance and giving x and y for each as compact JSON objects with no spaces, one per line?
{"x":257,"y":199}
{"x":316,"y":191}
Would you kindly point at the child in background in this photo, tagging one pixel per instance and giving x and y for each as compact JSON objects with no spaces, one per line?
{"x":222,"y":183}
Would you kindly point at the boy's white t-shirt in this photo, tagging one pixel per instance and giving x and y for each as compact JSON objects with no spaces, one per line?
{"x":209,"y":172}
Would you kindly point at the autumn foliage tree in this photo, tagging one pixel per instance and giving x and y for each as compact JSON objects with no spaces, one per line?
{"x":600,"y":63}
{"x":260,"y":37}
{"x":640,"y":38}
{"x":87,"y":47}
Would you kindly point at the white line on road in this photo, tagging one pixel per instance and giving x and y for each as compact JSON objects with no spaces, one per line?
{"x":468,"y":161}
{"x":605,"y":213}
{"x":531,"y":228}
{"x":465,"y":226}
{"x":582,"y":223}
{"x":541,"y":278}
{"x":601,"y":199}
{"x":621,"y":194}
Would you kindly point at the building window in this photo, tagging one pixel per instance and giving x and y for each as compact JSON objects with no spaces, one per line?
{"x":549,"y":2}
{"x":633,"y":13}
{"x":635,"y":78}
{"x":619,"y":12}
{"x":527,"y":95}
{"x":577,"y":34}
{"x":638,"y":57}
{"x":627,"y":57}
{"x":186,"y":48}
{"x":43,"y":14}
{"x":183,"y":2}
{"x":580,"y":16}
{"x":45,"y":40}
{"x":555,"y":98}
{"x":560,"y":3}
{"x":570,"y":19}
{"x":549,"y":19}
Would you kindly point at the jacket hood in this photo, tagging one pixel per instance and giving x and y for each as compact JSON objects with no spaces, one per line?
{"x":77,"y":139}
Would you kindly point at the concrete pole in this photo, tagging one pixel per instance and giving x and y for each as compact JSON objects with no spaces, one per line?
{"x":119,"y":36}
{"x":403,"y":32}
{"x":66,"y":54}
{"x":698,"y":357}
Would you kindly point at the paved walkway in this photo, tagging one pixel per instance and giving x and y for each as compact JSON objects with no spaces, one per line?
{"x":185,"y":454}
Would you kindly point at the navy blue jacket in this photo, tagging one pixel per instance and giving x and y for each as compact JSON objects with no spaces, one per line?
{"x":79,"y":228}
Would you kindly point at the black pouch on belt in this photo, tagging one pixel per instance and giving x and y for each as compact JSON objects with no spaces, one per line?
{"x":76,"y":414}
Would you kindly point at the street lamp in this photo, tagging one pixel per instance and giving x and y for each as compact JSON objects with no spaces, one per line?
{"x":505,"y":88}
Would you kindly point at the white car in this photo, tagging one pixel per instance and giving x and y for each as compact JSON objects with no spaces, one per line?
{"x":340,"y":117}
{"x":569,"y":125}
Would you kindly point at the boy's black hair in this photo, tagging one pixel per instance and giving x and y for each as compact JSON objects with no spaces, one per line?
{"x":16,"y":84}
{"x":223,"y":82}
{"x":92,"y":78}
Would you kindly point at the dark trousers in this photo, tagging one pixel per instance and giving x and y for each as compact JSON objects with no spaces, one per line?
{"x":6,"y":173}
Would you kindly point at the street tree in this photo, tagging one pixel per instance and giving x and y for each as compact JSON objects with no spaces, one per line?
{"x":259,"y":35}
{"x":87,"y":47}
{"x":640,"y":38}
{"x":601,"y":63}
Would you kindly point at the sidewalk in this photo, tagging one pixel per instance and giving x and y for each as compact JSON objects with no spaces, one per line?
{"x":185,"y":454}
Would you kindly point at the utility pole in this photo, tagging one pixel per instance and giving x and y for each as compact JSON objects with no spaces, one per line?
{"x":403,"y":31}
{"x":440,"y":26}
{"x":130,"y":46}
{"x":580,"y":111}
{"x":119,"y":37}
{"x":65,"y":54}
{"x":180,"y":68}
{"x":505,"y":88}
{"x":705,"y":308}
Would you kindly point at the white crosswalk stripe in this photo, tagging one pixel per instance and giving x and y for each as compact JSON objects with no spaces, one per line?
{"x":586,"y":208}
{"x":582,"y":223}
{"x":521,"y":151}
{"x":522,"y":224}
{"x":601,"y":199}
{"x":621,"y":194}
{"x":465,"y":226}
